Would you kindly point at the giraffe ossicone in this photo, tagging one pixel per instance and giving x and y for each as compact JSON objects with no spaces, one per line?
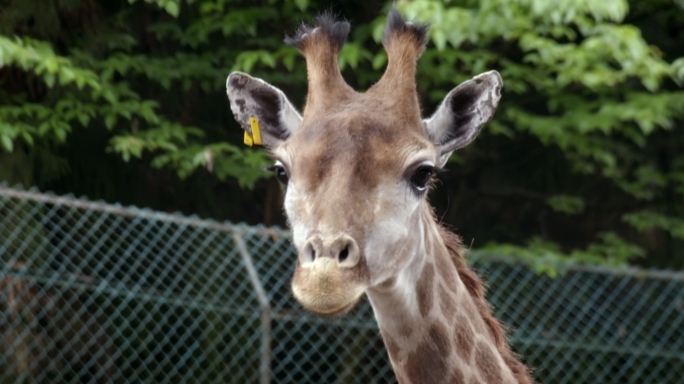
{"x":356,"y":169}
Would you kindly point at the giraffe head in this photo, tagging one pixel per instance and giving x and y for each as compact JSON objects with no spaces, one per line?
{"x":356,"y":166}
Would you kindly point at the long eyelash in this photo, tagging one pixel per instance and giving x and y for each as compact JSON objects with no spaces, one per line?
{"x":436,"y":171}
{"x":271,"y":168}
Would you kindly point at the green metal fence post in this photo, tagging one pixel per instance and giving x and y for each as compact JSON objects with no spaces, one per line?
{"x":265,"y":310}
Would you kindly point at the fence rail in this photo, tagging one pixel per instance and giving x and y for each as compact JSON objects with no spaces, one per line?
{"x":92,"y":292}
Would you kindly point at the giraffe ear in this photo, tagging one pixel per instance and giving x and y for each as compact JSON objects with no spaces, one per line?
{"x":463,"y":113}
{"x":251,"y":97}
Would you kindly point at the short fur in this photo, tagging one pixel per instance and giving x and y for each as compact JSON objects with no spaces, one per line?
{"x":476,"y":288}
{"x":320,"y":45}
{"x":404,"y":43}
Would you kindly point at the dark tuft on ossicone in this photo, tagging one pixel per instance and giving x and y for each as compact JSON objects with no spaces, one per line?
{"x":335,"y":31}
{"x":396,"y":24}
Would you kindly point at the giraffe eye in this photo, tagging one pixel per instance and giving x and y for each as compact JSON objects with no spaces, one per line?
{"x":421,"y":178}
{"x":281,"y":175}
{"x":280,"y":172}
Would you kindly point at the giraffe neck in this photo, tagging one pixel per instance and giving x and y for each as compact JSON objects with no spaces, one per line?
{"x":429,"y":322}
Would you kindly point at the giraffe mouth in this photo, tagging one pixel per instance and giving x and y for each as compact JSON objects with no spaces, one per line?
{"x":328,"y":290}
{"x":335,"y":312}
{"x":323,"y":305}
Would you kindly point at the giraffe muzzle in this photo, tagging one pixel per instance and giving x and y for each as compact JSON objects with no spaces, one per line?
{"x":330,"y":276}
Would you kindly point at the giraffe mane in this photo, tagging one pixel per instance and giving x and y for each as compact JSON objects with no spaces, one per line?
{"x":476,"y":288}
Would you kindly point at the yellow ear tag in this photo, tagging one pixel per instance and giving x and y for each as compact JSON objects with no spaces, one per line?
{"x":256,"y":133}
{"x":248,"y":139}
{"x":255,"y":137}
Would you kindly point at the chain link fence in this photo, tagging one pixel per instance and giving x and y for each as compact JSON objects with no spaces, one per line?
{"x":97,"y":293}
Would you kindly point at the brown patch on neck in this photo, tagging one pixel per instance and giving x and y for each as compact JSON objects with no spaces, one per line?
{"x":405,"y":331}
{"x":465,"y":337}
{"x":446,"y":304}
{"x":428,"y":362}
{"x":476,"y":289}
{"x":457,"y":377}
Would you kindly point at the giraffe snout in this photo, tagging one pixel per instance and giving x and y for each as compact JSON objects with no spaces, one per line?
{"x":330,"y":275}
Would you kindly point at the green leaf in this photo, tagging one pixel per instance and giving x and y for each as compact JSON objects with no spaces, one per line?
{"x":110,"y":120}
{"x":44,"y":128}
{"x":267,"y":59}
{"x":646,"y":220}
{"x":49,"y":79}
{"x":7,"y":142}
{"x":302,"y":4}
{"x":379,"y":60}
{"x":61,"y":134}
{"x":84,"y":119}
{"x":440,"y":39}
{"x":570,"y":205}
{"x":172,"y":8}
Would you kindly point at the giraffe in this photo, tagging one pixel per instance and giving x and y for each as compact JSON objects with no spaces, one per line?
{"x":356,"y":168}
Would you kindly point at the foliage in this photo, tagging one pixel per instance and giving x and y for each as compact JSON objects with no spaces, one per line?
{"x":95,"y":89}
{"x":546,"y":257}
{"x":587,"y":143}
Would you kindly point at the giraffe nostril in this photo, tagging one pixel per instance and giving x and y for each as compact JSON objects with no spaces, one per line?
{"x":346,"y":251}
{"x":308,"y":255}
{"x":343,"y":255}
